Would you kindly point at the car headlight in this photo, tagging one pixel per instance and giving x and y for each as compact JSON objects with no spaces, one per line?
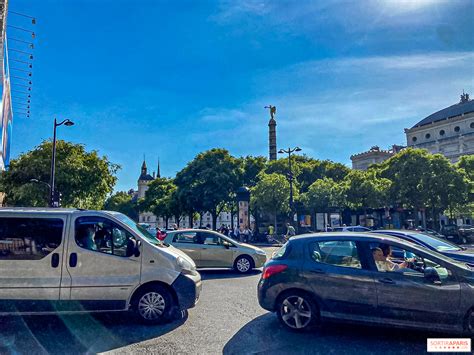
{"x":185,"y":265}
{"x":260,"y":252}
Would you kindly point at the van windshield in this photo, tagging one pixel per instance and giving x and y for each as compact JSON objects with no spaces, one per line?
{"x":141,"y":231}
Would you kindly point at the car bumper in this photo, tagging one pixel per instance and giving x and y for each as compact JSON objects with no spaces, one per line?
{"x":188,"y":289}
{"x":266,"y":296}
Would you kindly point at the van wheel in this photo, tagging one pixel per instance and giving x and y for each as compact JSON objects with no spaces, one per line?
{"x":297,"y":311}
{"x":154,"y":305}
{"x":243,"y":264}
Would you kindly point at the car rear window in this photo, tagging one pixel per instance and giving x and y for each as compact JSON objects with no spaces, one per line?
{"x":281,"y":253}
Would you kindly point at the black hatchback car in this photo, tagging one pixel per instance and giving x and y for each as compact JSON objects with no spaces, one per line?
{"x":346,"y":276}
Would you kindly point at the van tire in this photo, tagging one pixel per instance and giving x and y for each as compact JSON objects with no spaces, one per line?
{"x":243,"y":264}
{"x":153,"y":305}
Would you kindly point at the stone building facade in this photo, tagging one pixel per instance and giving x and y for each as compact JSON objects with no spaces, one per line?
{"x":449,"y":131}
{"x":375,"y":155}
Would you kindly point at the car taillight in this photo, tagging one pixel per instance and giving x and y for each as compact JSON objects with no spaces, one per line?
{"x":272,"y":270}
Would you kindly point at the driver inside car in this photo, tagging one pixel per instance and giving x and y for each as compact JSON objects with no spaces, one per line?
{"x":383,"y":263}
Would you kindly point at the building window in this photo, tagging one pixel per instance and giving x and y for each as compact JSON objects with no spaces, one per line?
{"x":471,"y":125}
{"x":414,"y":139}
{"x":457,"y":129}
{"x":442,"y":132}
{"x":427,"y":136}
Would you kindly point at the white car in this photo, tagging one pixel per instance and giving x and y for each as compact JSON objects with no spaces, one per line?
{"x":68,"y":260}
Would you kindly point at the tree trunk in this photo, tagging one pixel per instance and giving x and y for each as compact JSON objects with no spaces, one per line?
{"x":166,"y":222}
{"x":275,"y":221}
{"x":214,"y":220}
{"x":417,"y":218}
{"x":200,"y":219}
{"x":191,"y":221}
{"x":232,"y":219}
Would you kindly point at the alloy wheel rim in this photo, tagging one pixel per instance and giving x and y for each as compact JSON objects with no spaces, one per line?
{"x":243,"y":265}
{"x":151,"y":305}
{"x":296,"y":312}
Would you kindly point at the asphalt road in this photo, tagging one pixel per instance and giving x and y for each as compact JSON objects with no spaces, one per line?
{"x":226,"y":320}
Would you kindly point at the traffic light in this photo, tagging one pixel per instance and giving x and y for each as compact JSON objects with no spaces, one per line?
{"x":57,"y":199}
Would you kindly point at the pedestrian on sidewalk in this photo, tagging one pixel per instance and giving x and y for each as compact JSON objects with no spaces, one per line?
{"x":290,"y":231}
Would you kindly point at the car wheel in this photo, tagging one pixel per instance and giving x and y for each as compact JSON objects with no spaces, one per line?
{"x":243,"y":264}
{"x":154,"y":305}
{"x":297,"y":311}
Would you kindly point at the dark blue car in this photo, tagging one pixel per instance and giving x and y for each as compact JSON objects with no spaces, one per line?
{"x":430,"y":242}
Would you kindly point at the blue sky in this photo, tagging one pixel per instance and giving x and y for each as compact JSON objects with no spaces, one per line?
{"x":174,"y":78}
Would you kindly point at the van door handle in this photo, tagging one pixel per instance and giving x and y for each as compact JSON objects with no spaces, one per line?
{"x":73,"y":260}
{"x":386,"y":280}
{"x":55,"y":260}
{"x":316,"y":271}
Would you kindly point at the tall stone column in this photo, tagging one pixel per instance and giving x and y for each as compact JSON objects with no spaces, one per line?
{"x":272,"y":139}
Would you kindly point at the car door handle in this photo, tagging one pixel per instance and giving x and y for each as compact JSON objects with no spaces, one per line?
{"x":386,"y":280}
{"x":55,"y":260}
{"x":73,"y":260}
{"x":316,"y":271}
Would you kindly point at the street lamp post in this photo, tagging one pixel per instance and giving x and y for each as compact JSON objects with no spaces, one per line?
{"x":68,"y":123}
{"x":290,"y":175}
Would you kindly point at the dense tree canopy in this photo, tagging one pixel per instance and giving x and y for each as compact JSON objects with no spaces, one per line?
{"x":83,"y":178}
{"x":272,"y":194}
{"x":122,"y":202}
{"x":210,"y":179}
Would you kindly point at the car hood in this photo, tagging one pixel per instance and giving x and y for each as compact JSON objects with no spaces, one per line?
{"x":245,"y":245}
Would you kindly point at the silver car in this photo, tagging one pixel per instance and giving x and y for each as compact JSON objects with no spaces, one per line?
{"x":210,"y":249}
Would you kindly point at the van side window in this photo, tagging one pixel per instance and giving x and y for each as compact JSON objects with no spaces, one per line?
{"x":29,"y":238}
{"x":104,"y":236}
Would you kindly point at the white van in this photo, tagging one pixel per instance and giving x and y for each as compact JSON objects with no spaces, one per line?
{"x":69,"y":260}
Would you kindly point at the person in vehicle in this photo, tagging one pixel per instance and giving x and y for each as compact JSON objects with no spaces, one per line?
{"x":383,"y":263}
{"x":86,"y":237}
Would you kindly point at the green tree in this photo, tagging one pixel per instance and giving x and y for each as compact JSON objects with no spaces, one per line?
{"x":122,"y":202}
{"x":159,"y":198}
{"x":207,"y":182}
{"x":83,"y":178}
{"x":363,"y":189}
{"x":323,"y":195}
{"x":272,"y":193}
{"x":313,"y":170}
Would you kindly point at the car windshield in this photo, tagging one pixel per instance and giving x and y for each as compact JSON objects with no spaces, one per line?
{"x":436,"y":243}
{"x":137,"y":228}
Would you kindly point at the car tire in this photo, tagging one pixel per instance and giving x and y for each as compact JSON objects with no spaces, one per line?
{"x":243,"y":264}
{"x":469,"y":323}
{"x":154,"y":305}
{"x":297,"y":311}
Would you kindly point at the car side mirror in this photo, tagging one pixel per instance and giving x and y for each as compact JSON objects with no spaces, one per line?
{"x":432,"y":275}
{"x":226,"y":244}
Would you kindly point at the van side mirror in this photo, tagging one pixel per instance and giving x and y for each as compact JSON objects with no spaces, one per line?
{"x":136,"y":251}
{"x":133,"y":248}
{"x":432,"y":275}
